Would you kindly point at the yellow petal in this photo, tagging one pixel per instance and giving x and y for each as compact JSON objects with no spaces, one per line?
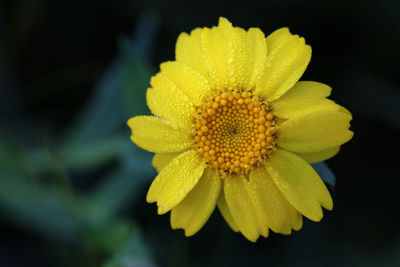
{"x":160,"y":160}
{"x":227,"y":56}
{"x":315,"y":132}
{"x":195,"y":209}
{"x":300,"y":184}
{"x":257,"y":45}
{"x":304,"y":98}
{"x":233,"y":57}
{"x":214,"y":49}
{"x":287,"y":59}
{"x":157,"y":135}
{"x":320,"y":156}
{"x":276,"y":38}
{"x":246,"y":58}
{"x":242,"y":209}
{"x":176,"y":180}
{"x":167,"y":101}
{"x":269,"y":202}
{"x":188,"y":51}
{"x":189,"y":80}
{"x":223,"y":208}
{"x":345,"y":111}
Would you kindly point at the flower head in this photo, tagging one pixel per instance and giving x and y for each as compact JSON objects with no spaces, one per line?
{"x":233,"y":128}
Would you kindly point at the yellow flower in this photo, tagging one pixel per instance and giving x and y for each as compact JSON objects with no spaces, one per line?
{"x":233,"y":129}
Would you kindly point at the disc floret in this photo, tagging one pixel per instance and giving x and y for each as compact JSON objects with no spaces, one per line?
{"x":234,"y":131}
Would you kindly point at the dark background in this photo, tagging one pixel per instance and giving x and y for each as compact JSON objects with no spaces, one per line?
{"x":72,"y":185}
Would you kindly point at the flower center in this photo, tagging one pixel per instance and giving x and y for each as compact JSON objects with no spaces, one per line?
{"x":234,"y":131}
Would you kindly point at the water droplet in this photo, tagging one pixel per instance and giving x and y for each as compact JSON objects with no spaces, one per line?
{"x":273,"y":173}
{"x":284,"y":185}
{"x":229,"y":60}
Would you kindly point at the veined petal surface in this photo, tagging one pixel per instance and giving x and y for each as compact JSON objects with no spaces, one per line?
{"x":229,"y":57}
{"x":246,"y":216}
{"x":176,"y":180}
{"x":277,"y":37}
{"x":315,"y":132}
{"x":188,"y":79}
{"x":188,"y":51}
{"x":271,"y":204}
{"x":167,"y":101}
{"x":300,"y":184}
{"x":160,"y":160}
{"x":195,"y":209}
{"x":214,"y":51}
{"x":287,"y":59}
{"x":223,"y":208}
{"x":247,"y":52}
{"x":157,"y":135}
{"x":319,"y":156}
{"x":302,"y":99}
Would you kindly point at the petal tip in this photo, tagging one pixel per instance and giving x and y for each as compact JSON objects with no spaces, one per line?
{"x":329,"y":205}
{"x":252,"y":238}
{"x":150,"y":198}
{"x":130,"y":122}
{"x":316,"y":217}
{"x":299,"y":224}
{"x":174,"y":226}
{"x":161,"y":210}
{"x":223,"y":20}
{"x":189,"y":233}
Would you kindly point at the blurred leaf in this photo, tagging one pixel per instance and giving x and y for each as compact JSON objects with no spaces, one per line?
{"x":108,"y":237}
{"x":39,"y":208}
{"x":138,"y":71}
{"x":118,"y":189}
{"x":325,"y":173}
{"x":80,"y":156}
{"x":134,"y":253}
{"x":55,"y":212}
{"x":134,"y":86}
{"x":145,"y":33}
{"x":89,"y":155}
{"x":120,"y":93}
{"x":103,"y":115}
{"x":8,"y":156}
{"x":93,"y":154}
{"x":30,"y":198}
{"x":35,"y":206}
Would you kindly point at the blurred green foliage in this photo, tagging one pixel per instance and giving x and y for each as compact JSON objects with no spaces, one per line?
{"x":35,"y":187}
{"x":72,"y":184}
